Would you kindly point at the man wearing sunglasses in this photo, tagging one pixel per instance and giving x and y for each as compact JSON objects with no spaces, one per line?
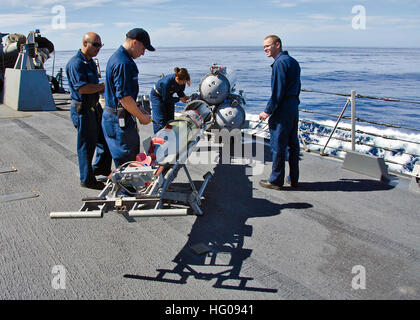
{"x":86,"y":112}
{"x":121,"y":90}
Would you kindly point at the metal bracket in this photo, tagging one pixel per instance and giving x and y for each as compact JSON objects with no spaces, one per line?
{"x":128,"y":193}
{"x":19,"y":196}
{"x":158,"y":203}
{"x":7,"y":170}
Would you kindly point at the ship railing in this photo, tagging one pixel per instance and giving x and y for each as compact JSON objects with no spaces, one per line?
{"x":261,"y":128}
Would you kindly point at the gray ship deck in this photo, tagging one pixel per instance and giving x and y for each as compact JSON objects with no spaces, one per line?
{"x":265,"y":244}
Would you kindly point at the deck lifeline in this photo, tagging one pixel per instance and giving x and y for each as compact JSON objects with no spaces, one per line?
{"x":264,"y":244}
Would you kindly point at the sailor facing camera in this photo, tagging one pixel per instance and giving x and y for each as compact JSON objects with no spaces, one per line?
{"x":121,"y":89}
{"x":162,"y":100}
{"x":86,"y":112}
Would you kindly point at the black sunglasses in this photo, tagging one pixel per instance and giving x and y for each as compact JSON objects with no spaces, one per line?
{"x":97,"y":44}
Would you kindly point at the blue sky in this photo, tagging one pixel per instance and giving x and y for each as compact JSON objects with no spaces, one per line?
{"x":389,"y":23}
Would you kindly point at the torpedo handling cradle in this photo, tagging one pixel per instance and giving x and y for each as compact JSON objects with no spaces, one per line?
{"x":144,"y":188}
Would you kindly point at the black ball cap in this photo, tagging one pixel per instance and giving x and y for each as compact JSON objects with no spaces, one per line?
{"x":140,"y":35}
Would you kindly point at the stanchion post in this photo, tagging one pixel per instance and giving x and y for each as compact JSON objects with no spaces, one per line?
{"x":353,"y":120}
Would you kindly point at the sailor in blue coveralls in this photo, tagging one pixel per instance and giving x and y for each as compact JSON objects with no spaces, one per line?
{"x":86,"y":112}
{"x":162,"y":100}
{"x":121,"y":89}
{"x":282,"y":108}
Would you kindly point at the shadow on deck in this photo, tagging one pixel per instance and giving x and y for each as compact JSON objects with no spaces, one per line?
{"x":222,"y":230}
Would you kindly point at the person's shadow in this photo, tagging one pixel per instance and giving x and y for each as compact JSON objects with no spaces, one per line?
{"x":220,"y":233}
{"x":345,"y":185}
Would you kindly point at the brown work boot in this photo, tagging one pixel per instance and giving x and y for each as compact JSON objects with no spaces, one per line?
{"x":267,"y":184}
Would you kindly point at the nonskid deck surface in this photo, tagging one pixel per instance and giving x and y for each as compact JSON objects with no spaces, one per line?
{"x":262,"y":244}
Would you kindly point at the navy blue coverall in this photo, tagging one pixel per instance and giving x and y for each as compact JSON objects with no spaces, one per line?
{"x":80,"y":72}
{"x":163,"y":102}
{"x":121,"y":81}
{"x":284,"y":117}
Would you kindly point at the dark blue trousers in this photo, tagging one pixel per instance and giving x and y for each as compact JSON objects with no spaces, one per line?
{"x":283,"y":135}
{"x":123,"y":143}
{"x":161,"y":113}
{"x":90,"y":138}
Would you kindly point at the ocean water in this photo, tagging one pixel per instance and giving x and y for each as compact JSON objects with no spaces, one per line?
{"x":381,"y":72}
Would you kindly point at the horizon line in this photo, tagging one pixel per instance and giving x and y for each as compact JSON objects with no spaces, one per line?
{"x":247,"y":46}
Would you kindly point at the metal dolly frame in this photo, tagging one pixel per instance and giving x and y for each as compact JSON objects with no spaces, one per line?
{"x":158,"y":200}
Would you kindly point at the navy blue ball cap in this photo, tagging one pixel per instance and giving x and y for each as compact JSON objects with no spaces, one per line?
{"x":140,"y":35}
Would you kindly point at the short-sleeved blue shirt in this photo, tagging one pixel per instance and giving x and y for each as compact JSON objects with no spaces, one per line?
{"x":167,"y":86}
{"x":122,"y":77}
{"x":81,"y":71}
